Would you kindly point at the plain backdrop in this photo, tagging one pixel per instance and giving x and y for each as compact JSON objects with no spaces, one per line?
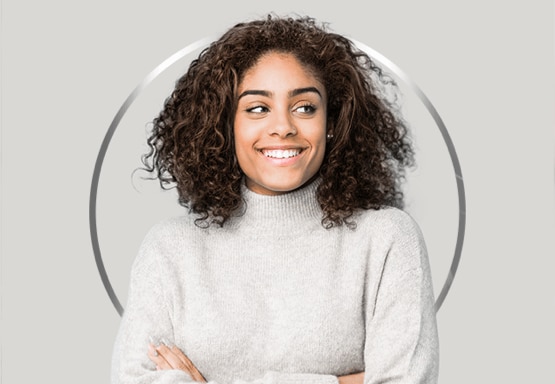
{"x":67,"y":67}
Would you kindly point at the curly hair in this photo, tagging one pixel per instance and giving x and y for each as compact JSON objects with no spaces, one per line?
{"x":192,"y":144}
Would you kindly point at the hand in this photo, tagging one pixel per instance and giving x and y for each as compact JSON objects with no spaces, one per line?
{"x":172,"y":358}
{"x":355,"y":378}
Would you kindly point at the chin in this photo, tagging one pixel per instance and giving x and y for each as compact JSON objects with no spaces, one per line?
{"x":271,"y":187}
{"x":280,"y":188}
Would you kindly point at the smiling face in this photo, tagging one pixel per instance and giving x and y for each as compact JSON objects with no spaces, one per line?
{"x":280,"y":124}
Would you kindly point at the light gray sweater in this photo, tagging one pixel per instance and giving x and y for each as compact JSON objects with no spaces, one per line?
{"x":273,"y":297}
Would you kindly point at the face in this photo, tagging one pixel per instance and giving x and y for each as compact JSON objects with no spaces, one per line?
{"x":280,"y":125}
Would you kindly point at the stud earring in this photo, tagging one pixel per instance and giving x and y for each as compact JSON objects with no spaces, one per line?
{"x":329,"y":136}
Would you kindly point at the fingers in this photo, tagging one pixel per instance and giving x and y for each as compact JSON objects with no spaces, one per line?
{"x":157,"y":358}
{"x":170,"y":356}
{"x":173,"y":358}
{"x":193,"y":371}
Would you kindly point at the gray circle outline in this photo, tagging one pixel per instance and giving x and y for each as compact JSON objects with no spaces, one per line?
{"x":102,"y":153}
{"x":204,"y":42}
{"x":454,"y":159}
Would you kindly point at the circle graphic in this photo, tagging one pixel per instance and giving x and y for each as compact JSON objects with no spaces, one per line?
{"x":203,"y":43}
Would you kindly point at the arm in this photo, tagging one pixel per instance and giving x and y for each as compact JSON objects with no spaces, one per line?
{"x":167,"y":358}
{"x":148,"y":318}
{"x":402,"y":341}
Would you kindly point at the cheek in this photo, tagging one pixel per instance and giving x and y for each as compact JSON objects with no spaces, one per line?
{"x":237,"y":134}
{"x":321,"y":153}
{"x":320,"y":137}
{"x":242,"y":145}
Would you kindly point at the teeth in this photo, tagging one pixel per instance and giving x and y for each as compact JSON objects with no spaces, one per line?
{"x":281,"y":154}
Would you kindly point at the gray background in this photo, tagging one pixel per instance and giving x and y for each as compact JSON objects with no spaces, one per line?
{"x":68,"y":66}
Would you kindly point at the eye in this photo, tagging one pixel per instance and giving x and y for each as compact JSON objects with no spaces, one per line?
{"x":257,"y":109}
{"x":306,"y":109}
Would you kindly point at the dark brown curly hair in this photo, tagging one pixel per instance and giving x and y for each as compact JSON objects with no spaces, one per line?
{"x":192,"y":144}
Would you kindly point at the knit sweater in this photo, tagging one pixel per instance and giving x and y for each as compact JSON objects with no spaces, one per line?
{"x":274,"y":297}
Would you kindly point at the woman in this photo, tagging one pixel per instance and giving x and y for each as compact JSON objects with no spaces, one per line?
{"x":293,"y":264}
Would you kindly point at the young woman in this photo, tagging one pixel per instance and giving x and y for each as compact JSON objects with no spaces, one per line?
{"x":294,"y":263}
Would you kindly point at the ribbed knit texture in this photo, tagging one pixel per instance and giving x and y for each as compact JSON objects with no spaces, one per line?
{"x":273,"y":297}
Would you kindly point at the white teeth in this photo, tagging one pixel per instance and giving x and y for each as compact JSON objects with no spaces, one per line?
{"x":281,"y":154}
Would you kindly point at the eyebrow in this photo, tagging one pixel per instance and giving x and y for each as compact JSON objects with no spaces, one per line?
{"x":299,"y":91}
{"x":292,"y":93}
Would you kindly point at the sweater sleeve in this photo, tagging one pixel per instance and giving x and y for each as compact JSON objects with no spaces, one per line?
{"x":401,"y":344}
{"x":148,"y":318}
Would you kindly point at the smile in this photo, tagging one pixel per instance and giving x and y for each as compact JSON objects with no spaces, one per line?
{"x":281,"y":153}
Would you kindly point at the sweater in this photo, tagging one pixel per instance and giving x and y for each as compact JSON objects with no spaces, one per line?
{"x":274,"y":297}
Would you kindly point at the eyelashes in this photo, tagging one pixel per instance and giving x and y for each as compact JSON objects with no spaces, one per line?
{"x":307,"y":109}
{"x":304,"y":109}
{"x":258,"y":109}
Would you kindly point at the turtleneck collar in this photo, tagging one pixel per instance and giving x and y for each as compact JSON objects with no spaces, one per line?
{"x":288,"y":210}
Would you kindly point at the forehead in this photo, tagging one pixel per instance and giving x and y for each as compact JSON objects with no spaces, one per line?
{"x":279,"y":66}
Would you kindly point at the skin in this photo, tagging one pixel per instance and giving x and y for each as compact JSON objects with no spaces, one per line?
{"x":281,"y":107}
{"x":166,"y":357}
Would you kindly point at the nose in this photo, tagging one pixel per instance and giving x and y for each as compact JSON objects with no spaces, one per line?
{"x":282,"y":125}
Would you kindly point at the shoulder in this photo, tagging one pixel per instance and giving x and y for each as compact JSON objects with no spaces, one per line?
{"x":389,"y":220}
{"x":171,"y":230}
{"x":395,"y":234}
{"x":168,"y":238}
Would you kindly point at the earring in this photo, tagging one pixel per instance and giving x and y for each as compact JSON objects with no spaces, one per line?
{"x":329,"y":136}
